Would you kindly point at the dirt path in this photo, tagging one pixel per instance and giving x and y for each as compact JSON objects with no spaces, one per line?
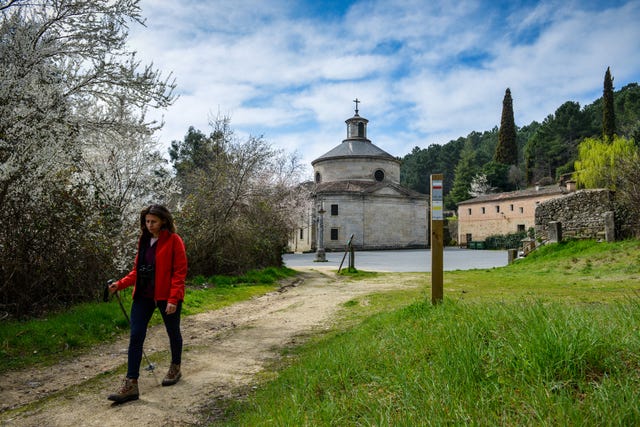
{"x":223,"y":350}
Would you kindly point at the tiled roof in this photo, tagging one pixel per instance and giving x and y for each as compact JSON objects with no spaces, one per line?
{"x":519,"y":194}
{"x":355,"y":148}
{"x":364,"y":187}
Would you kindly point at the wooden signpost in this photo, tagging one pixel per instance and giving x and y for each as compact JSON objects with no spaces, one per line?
{"x":437,"y":238}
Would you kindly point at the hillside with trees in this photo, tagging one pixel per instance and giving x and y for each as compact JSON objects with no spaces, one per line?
{"x":546,"y":151}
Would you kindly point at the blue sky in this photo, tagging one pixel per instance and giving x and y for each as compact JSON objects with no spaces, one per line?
{"x":425,"y":71}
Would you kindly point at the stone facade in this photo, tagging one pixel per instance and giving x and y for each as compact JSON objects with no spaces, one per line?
{"x":378,"y":217}
{"x":583,"y":214}
{"x":303,"y":237}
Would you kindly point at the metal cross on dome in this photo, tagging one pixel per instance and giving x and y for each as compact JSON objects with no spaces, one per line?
{"x":357,"y":102}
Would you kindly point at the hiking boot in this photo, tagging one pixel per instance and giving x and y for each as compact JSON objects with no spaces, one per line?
{"x":172,"y":376}
{"x":128,"y":391}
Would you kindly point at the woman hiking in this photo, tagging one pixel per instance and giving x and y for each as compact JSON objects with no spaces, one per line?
{"x":158,"y":277}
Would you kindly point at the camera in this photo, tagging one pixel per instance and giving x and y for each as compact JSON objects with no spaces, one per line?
{"x":146,"y":272}
{"x":146,"y":276}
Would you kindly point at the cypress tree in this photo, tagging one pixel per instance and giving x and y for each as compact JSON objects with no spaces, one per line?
{"x":608,"y":114}
{"x":507,"y":148}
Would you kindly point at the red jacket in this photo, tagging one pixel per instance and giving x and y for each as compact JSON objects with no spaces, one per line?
{"x":171,"y":269}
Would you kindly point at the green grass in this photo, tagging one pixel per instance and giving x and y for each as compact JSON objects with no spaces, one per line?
{"x":60,"y":335}
{"x":553,"y":339}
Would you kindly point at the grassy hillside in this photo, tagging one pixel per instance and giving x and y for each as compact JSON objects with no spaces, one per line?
{"x":549,"y":340}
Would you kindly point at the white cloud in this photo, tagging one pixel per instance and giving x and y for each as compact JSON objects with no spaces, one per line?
{"x":426,"y":72}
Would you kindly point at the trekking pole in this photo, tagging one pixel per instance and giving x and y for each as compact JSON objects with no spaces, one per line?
{"x":150,"y":366}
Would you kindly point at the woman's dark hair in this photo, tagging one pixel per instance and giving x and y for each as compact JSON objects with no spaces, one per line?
{"x":162,"y":213}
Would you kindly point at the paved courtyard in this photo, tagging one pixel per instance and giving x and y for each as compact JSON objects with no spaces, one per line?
{"x":404,"y":260}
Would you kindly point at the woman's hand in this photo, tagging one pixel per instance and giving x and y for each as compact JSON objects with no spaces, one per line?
{"x":171,"y":308}
{"x":113,"y":287}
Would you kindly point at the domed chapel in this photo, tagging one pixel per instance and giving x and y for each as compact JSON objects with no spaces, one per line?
{"x":357,"y":192}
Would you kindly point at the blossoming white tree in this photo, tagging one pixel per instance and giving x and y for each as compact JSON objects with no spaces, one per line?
{"x":479,"y":185}
{"x":75,"y":149}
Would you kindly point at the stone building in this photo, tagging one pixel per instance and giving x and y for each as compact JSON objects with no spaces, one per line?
{"x":357,"y":193}
{"x":504,"y":213}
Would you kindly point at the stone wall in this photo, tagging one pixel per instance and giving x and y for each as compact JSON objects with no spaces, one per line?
{"x":583,"y":214}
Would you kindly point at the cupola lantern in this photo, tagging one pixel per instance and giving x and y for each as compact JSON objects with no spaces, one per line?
{"x":356,"y":125}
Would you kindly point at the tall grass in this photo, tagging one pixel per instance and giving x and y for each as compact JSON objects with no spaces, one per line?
{"x":550,"y":340}
{"x":519,"y":363}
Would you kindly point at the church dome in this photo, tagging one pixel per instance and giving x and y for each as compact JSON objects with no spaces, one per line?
{"x":356,"y":158}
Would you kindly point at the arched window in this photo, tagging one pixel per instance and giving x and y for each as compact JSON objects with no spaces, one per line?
{"x":361,"y":129}
{"x":318,"y":177}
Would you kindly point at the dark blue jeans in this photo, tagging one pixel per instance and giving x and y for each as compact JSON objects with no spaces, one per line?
{"x":141,"y":312}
